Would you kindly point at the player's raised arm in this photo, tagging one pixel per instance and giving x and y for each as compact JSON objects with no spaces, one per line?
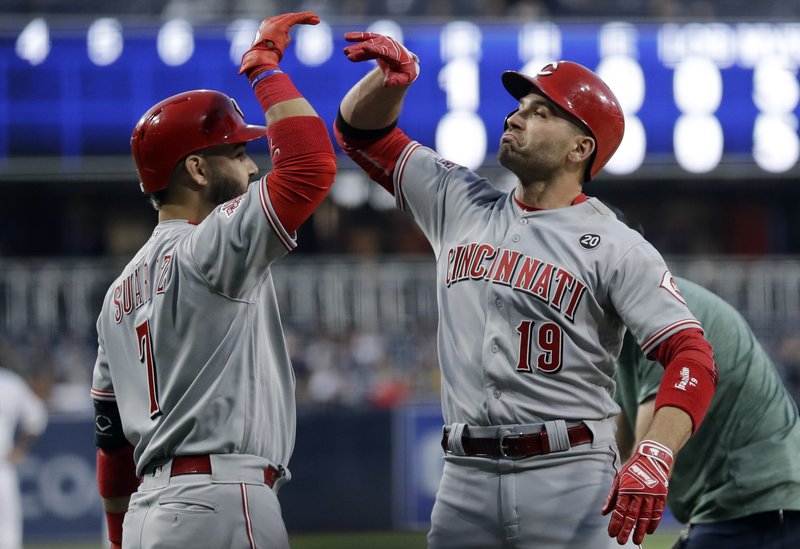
{"x":366,"y":124}
{"x":375,"y":101}
{"x":300,"y":146}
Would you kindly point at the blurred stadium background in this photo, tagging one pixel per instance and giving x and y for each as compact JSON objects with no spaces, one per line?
{"x":709,"y":167}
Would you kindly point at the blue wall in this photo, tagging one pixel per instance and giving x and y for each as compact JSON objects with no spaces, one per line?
{"x":57,"y":480}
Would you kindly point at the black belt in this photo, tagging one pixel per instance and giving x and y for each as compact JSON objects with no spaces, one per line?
{"x":201,"y":465}
{"x":777,"y":516}
{"x":516,"y":445}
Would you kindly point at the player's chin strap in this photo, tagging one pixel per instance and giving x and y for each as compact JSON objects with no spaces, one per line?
{"x":454,"y":442}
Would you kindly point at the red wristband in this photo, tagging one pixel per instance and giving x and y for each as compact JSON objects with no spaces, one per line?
{"x":274,"y":89}
{"x":688,"y":386}
{"x":116,"y":472}
{"x":114,"y":522}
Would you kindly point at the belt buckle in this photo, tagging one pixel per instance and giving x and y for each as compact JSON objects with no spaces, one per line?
{"x":504,"y":448}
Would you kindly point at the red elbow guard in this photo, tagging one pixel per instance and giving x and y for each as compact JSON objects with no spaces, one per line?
{"x":116,"y":472}
{"x":688,"y":386}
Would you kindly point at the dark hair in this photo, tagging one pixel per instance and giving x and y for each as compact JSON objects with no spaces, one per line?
{"x":156,"y":198}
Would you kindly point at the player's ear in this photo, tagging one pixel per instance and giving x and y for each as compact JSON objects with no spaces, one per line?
{"x":197,"y":168}
{"x":582,"y":148}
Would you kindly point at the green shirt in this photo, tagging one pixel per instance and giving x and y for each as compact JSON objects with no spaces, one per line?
{"x":745,"y":457}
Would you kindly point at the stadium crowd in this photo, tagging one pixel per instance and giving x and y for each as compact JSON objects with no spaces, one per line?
{"x":353,"y":369}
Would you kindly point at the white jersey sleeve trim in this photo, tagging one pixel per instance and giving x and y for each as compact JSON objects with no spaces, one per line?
{"x":651,"y":342}
{"x":102,"y":394}
{"x":289,"y":241}
{"x":398,"y":173}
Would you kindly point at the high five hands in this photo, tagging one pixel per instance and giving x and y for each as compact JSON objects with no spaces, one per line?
{"x":400,"y":67}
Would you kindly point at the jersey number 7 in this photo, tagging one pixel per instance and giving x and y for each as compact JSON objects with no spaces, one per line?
{"x":145,"y":343}
{"x":548,"y":338}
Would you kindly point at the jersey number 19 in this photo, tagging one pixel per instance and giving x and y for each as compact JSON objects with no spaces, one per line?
{"x":548,"y":340}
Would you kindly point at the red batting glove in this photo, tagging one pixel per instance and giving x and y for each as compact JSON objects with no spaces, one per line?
{"x":400,"y":66}
{"x":639,"y":493}
{"x":271,"y":40}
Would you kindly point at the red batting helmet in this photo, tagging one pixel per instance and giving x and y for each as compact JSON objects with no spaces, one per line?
{"x":582,"y":94}
{"x":183,"y":124}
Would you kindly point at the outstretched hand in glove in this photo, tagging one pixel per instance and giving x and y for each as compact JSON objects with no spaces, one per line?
{"x":271,"y":41}
{"x":400,"y":67}
{"x":639,"y":493}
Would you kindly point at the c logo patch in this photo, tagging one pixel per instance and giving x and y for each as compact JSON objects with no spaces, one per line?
{"x":668,"y":283}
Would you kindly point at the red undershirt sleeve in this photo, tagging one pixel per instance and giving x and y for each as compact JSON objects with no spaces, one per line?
{"x":302,"y":154}
{"x":375,"y":151}
{"x":690,"y":375}
{"x":304,"y":168}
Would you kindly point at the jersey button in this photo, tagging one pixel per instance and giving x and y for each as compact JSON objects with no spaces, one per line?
{"x":499,"y":303}
{"x":495,"y":348}
{"x":496,"y":393}
{"x":515,"y":238}
{"x":523,"y":221}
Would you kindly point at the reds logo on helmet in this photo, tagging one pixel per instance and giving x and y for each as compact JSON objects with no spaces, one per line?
{"x":544,"y":70}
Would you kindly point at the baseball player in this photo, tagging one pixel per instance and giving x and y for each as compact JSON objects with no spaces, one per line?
{"x":536,"y":288}
{"x":193,"y":387}
{"x":23,"y":417}
{"x":737,"y":483}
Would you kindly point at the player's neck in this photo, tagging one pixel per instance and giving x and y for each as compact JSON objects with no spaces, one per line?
{"x":540,"y":196}
{"x":182,"y":211}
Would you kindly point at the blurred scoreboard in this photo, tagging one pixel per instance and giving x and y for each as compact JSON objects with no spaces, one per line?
{"x":698,"y":97}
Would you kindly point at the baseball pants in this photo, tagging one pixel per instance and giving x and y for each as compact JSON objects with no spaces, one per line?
{"x":550,"y":501}
{"x":230,"y":508}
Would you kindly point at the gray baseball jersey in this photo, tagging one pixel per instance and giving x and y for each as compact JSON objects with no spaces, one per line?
{"x":190,"y":335}
{"x":533,"y":305}
{"x":532,"y":312}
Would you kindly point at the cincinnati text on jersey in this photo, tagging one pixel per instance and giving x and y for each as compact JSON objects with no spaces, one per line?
{"x":548,"y":283}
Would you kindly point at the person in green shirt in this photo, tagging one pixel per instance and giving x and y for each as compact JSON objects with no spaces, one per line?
{"x":736,"y":484}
